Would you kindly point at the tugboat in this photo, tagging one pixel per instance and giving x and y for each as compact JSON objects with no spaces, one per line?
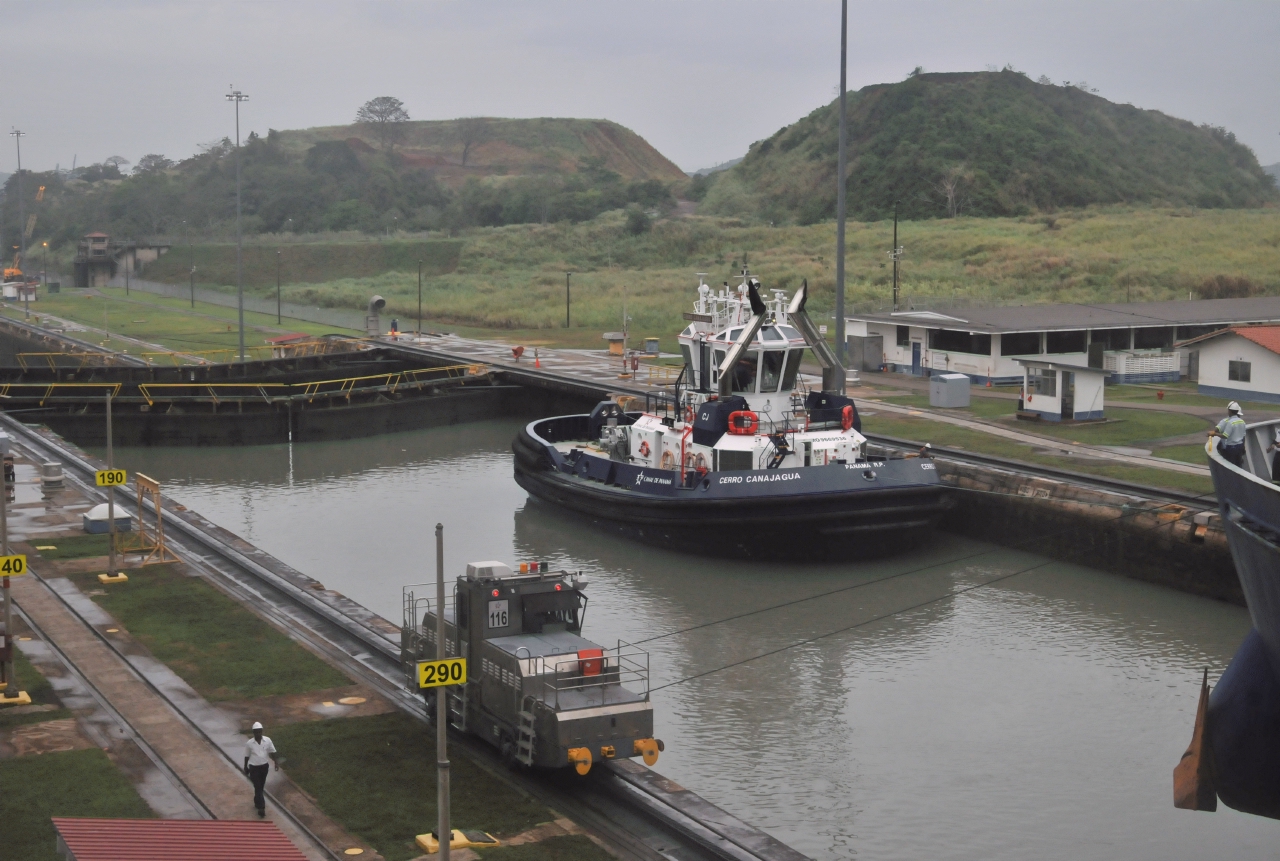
{"x":1235,"y":748}
{"x":740,"y":458}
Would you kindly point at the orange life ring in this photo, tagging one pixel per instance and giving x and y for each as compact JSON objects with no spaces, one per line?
{"x":744,"y":423}
{"x":846,"y":417}
{"x":688,"y":415}
{"x":644,"y":448}
{"x":668,"y":459}
{"x":700,"y":464}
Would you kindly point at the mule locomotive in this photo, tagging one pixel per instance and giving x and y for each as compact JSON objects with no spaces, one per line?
{"x":536,"y":689}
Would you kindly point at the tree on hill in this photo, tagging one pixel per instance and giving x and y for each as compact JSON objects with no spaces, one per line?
{"x":385,"y":116}
{"x":1025,"y":145}
{"x":472,"y":131}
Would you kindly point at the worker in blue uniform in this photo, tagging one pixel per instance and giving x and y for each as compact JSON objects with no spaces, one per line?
{"x":1231,"y":430}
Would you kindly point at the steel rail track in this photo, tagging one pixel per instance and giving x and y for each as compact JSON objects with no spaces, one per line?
{"x":100,"y":698}
{"x":640,"y":824}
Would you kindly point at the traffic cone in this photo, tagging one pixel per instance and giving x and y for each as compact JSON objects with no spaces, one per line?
{"x":988,"y":382}
{"x":536,"y":362}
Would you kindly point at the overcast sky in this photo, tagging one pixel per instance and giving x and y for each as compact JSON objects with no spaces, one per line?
{"x":700,"y":80}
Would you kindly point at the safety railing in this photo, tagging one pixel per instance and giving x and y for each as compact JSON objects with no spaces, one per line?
{"x":178,"y":358}
{"x":48,"y":391}
{"x":626,"y":665}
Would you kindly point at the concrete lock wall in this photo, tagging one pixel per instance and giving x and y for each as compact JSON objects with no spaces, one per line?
{"x":1126,"y":535}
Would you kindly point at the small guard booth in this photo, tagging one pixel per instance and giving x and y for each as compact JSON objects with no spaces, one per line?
{"x":1057,"y":391}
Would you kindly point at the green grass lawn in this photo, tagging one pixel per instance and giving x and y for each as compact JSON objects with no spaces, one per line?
{"x":924,"y":430}
{"x":75,"y":546}
{"x":984,"y":408}
{"x":218,"y":646}
{"x":1183,"y":394}
{"x":1123,"y":427}
{"x":1186,"y":453}
{"x":41,"y":692}
{"x":171,"y":323}
{"x":575,"y":847}
{"x":69,"y":783}
{"x":376,"y":776}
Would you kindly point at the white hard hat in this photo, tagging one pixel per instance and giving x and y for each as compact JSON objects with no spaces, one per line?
{"x":1234,"y":407}
{"x":256,"y":725}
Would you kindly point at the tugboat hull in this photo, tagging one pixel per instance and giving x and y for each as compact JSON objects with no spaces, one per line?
{"x":872,"y":506}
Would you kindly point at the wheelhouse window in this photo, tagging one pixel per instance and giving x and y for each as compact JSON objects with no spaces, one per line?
{"x":1239,"y":372}
{"x":1065,"y":342}
{"x":793,"y":368}
{"x":715,"y":372}
{"x":771,"y":370}
{"x":770,"y":333}
{"x":744,"y":374}
{"x":954,"y":341}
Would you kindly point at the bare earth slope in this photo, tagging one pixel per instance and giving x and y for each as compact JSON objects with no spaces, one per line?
{"x":506,"y":147}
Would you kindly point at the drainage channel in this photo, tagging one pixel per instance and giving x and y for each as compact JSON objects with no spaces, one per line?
{"x":645,"y":815}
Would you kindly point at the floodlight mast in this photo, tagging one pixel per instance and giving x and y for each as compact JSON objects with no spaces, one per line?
{"x":22,"y":215}
{"x":840,"y":199}
{"x":238,"y":97}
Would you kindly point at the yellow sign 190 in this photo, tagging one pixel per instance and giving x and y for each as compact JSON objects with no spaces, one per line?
{"x":436,"y":674}
{"x":13,"y":566}
{"x":111,"y":477}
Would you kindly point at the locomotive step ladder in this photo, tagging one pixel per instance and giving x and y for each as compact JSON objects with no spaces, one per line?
{"x":525,"y":735}
{"x":457,"y":705}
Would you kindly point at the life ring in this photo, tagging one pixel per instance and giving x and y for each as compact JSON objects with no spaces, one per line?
{"x":668,"y":459}
{"x":696,"y":462}
{"x":846,"y":417}
{"x":644,"y":448}
{"x":744,"y":423}
{"x":688,"y":415}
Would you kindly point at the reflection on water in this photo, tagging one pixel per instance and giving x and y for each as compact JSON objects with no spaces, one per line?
{"x":1037,"y":717}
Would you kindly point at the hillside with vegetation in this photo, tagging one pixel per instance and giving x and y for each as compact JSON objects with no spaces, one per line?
{"x":510,"y":281}
{"x":986,"y":144}
{"x":371,"y":177}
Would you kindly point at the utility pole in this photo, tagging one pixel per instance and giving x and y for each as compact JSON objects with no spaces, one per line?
{"x":895,"y":255}
{"x":840,"y":201}
{"x":191,"y":249}
{"x":566,"y":299}
{"x":277,"y":286}
{"x":444,"y":834}
{"x":419,"y":301}
{"x":111,"y":498}
{"x":22,"y":210}
{"x":8,"y":668}
{"x":126,"y":267}
{"x":238,"y":97}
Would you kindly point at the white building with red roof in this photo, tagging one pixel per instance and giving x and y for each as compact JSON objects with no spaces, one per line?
{"x":1240,"y":363}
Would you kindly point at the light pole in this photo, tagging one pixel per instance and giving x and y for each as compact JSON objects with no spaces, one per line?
{"x":22,"y":215}
{"x":419,"y":301}
{"x":566,"y":299}
{"x":126,"y":267}
{"x":840,"y":193}
{"x":277,"y":286}
{"x":238,"y":97}
{"x":191,"y":249}
{"x":45,"y":266}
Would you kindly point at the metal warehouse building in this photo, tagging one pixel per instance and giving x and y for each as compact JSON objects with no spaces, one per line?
{"x":1134,"y":341}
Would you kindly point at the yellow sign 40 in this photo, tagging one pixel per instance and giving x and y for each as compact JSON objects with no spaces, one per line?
{"x":437,"y":674}
{"x":111,"y":477}
{"x":13,"y":566}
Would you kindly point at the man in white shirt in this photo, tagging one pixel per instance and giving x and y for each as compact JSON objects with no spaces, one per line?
{"x":259,"y":753}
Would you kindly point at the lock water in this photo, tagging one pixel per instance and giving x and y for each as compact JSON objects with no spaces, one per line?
{"x":1037,"y":717}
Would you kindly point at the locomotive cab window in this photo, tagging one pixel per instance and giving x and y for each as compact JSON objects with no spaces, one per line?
{"x":545,"y":612}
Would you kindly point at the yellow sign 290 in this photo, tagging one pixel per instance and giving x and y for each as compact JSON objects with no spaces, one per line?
{"x":13,"y":566}
{"x":111,"y":477}
{"x":436,"y":674}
